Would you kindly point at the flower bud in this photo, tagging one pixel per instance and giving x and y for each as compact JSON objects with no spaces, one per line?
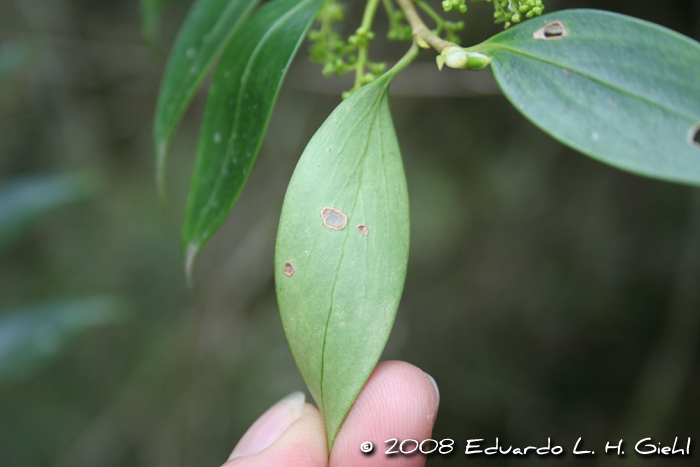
{"x":456,"y":57}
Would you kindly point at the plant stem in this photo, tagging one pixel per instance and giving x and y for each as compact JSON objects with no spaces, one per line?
{"x":420,"y":30}
{"x":389,"y":9}
{"x":368,"y":15}
{"x":405,"y":61}
{"x":430,"y":12}
{"x":365,"y":27}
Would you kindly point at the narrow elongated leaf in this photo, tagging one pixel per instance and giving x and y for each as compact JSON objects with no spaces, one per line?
{"x":241,"y":98}
{"x":209,"y":26}
{"x":622,"y":90}
{"x":342,"y":248}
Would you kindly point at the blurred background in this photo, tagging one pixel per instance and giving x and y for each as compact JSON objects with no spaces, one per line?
{"x":549,"y":295}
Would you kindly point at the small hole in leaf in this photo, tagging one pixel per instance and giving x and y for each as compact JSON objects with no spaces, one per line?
{"x":551,"y":32}
{"x":334,"y":219}
{"x":695,"y":136}
{"x":288,"y":269}
{"x":363,"y":229}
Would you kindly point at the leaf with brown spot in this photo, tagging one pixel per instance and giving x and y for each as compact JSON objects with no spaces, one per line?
{"x":338,"y":308}
{"x":619,"y":89}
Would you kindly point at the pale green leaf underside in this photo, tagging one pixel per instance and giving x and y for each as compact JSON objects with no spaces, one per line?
{"x":339,"y":304}
{"x":208,"y":28}
{"x":622,"y":90}
{"x":242,"y":95}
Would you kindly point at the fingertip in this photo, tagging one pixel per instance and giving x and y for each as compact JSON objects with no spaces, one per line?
{"x":302,"y":444}
{"x":270,"y":426}
{"x":399,"y":401}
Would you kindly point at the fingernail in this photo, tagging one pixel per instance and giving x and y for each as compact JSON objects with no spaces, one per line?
{"x":437,"y":391}
{"x":270,"y":426}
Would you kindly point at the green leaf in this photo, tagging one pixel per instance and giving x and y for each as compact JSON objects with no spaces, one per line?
{"x":241,"y":98}
{"x":342,"y":248}
{"x":622,"y":90}
{"x":208,"y":28}
{"x":31,"y":337}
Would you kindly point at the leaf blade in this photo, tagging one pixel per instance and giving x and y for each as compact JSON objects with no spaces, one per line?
{"x":621,"y":90}
{"x":209,"y":26}
{"x":238,"y":109}
{"x":339,"y":302}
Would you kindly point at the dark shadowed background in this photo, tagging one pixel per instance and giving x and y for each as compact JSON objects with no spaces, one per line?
{"x":549,"y":295}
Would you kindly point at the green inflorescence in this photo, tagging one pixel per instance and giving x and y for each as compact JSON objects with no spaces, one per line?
{"x":450,"y":28}
{"x":399,"y":30}
{"x":513,"y":11}
{"x":338,"y":56}
{"x":459,"y":5}
{"x":506,"y":11}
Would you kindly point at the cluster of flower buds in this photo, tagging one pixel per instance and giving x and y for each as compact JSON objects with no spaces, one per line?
{"x":507,"y":11}
{"x":338,"y":56}
{"x":458,"y":5}
{"x":399,"y":30}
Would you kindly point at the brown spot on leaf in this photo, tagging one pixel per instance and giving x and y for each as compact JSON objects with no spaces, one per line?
{"x":334,"y":219}
{"x":551,"y":32}
{"x":362,"y":228}
{"x":342,"y":325}
{"x":694,"y":135}
{"x":288,"y":269}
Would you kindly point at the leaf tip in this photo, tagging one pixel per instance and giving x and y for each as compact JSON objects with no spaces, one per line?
{"x":191,"y":253}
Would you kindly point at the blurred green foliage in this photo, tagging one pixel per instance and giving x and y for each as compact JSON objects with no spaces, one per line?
{"x":30,"y":337}
{"x":549,"y":295}
{"x":27,"y":199}
{"x":13,"y":54}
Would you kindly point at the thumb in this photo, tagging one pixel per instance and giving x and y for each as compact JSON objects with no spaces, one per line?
{"x":290,"y":434}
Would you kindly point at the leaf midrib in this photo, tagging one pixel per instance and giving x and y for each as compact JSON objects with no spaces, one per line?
{"x":282,"y":19}
{"x":374,"y":112}
{"x":595,"y":79}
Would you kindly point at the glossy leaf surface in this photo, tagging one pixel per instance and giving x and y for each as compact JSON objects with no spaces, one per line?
{"x":622,"y":90}
{"x":342,"y":248}
{"x":209,"y":26}
{"x":241,"y":98}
